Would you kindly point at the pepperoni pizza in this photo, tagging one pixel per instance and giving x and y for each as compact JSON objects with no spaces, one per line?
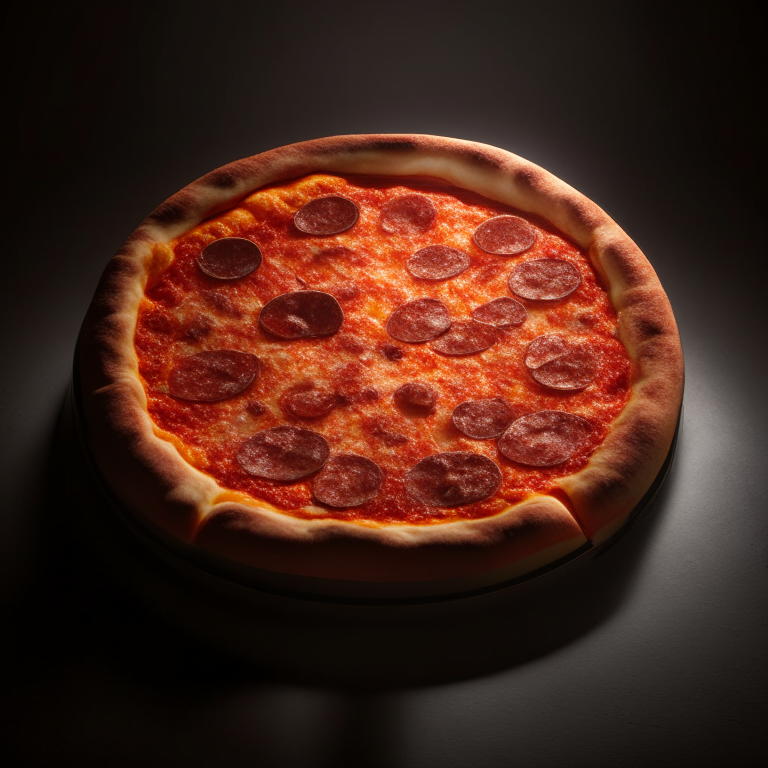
{"x":404,"y":360}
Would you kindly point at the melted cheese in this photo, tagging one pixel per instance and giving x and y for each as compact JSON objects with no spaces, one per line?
{"x":184,"y":312}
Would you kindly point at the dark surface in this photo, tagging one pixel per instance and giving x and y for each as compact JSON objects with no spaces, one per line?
{"x":656,"y":654}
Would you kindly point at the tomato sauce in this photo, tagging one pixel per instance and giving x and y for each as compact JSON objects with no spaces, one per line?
{"x":184,"y":311}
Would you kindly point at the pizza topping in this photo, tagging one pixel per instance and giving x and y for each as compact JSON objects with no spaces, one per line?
{"x":483,"y":419}
{"x":453,"y":479}
{"x":465,"y":337}
{"x":384,"y":429}
{"x":351,"y":343}
{"x":418,"y":321}
{"x":544,"y":279}
{"x":437,"y":262}
{"x":230,"y":258}
{"x":408,"y":215}
{"x":505,"y":235}
{"x":544,"y":439}
{"x":301,"y":314}
{"x":370,"y":395}
{"x":346,"y":291}
{"x":560,"y":364}
{"x":255,"y":408}
{"x":326,"y":216}
{"x":386,"y":396}
{"x":309,"y":403}
{"x":503,"y":313}
{"x":348,"y":480}
{"x":207,"y":377}
{"x":416,"y":398}
{"x":333,"y":252}
{"x":221,"y":303}
{"x":283,"y":454}
{"x":392,"y":352}
{"x":199,"y":327}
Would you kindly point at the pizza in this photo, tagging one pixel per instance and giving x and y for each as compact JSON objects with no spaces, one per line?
{"x":380,"y":360}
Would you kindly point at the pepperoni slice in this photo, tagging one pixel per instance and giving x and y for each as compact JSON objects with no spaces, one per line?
{"x":419,"y":320}
{"x":284,"y":454}
{"x":544,"y":279}
{"x":207,"y":377}
{"x":309,"y":403}
{"x":348,"y":480}
{"x":545,"y":438}
{"x":483,"y":419}
{"x":416,"y":398}
{"x":326,"y":216}
{"x":301,"y":314}
{"x":437,"y":262}
{"x":505,"y":235}
{"x":502,"y":313}
{"x":465,"y":337}
{"x":407,"y":215}
{"x":560,"y":364}
{"x":453,"y":479}
{"x":230,"y":258}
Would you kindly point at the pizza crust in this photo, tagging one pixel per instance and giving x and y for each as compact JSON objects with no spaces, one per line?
{"x":327,"y":549}
{"x":152,"y":479}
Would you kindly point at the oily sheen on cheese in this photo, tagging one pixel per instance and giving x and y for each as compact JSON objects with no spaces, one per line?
{"x":372,"y":269}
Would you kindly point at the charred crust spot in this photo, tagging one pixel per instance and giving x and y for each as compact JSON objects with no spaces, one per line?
{"x":648,"y":328}
{"x":526,"y":177}
{"x":585,"y":213}
{"x":173,"y":210}
{"x":606,"y":487}
{"x":398,"y":145}
{"x":479,"y":158}
{"x":221,"y":179}
{"x":621,"y":258}
{"x":228,"y":176}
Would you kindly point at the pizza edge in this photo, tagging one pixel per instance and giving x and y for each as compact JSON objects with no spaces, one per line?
{"x":152,"y":479}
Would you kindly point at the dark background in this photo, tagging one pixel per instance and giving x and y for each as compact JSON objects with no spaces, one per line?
{"x":652,"y":655}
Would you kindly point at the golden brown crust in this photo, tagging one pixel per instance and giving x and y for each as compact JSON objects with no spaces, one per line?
{"x":329,"y":548}
{"x":150,"y":475}
{"x":604,"y":493}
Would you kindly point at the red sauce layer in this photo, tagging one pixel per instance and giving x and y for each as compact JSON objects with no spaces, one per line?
{"x":184,"y":312}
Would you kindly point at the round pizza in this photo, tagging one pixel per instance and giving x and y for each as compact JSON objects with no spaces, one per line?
{"x":380,"y":360}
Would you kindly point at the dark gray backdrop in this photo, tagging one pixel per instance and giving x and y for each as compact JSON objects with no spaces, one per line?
{"x":656,"y":654}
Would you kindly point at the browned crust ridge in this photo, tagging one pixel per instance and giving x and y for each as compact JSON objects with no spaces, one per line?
{"x":152,"y":479}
